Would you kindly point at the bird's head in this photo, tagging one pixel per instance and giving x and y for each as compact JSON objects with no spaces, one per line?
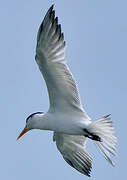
{"x":30,"y":123}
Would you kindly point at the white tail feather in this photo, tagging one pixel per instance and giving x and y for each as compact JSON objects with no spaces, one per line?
{"x":104,"y":129}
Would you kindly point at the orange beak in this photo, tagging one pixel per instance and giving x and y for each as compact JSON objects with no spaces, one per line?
{"x":21,"y":134}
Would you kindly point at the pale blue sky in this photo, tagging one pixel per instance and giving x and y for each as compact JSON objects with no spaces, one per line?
{"x":96,"y":38}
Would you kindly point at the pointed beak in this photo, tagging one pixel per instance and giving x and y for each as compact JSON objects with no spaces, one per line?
{"x":21,"y":134}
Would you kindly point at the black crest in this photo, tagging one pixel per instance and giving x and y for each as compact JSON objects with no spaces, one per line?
{"x":30,"y":116}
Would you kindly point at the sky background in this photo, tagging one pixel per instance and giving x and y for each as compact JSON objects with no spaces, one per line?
{"x":96,"y":39}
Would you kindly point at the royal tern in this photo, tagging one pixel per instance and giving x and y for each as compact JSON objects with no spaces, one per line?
{"x":66,"y":116}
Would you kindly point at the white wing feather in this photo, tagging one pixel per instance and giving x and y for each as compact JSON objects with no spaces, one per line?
{"x":50,"y":57}
{"x":72,"y":149}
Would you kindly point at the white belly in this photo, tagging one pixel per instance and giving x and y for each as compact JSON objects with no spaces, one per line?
{"x":68,"y":124}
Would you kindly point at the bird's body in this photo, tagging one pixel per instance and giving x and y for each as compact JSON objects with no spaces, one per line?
{"x":68,"y":123}
{"x":66,"y":115}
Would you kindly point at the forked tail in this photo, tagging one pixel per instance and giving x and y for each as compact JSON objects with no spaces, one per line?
{"x":103,"y":128}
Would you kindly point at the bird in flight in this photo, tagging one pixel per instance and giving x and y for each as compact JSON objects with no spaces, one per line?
{"x":66,"y":116}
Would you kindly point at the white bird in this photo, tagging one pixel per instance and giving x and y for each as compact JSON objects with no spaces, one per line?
{"x":66,"y":116}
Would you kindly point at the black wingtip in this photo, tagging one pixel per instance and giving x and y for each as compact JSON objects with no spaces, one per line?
{"x":56,"y":20}
{"x":50,"y":9}
{"x":52,"y":6}
{"x":88,"y":174}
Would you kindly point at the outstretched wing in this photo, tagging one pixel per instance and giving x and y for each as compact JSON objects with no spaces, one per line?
{"x":72,"y":149}
{"x":50,"y":57}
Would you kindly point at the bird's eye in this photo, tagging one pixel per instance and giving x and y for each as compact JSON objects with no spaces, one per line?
{"x":30,"y":116}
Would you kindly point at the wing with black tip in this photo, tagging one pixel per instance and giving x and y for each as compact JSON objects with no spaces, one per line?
{"x":50,"y":57}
